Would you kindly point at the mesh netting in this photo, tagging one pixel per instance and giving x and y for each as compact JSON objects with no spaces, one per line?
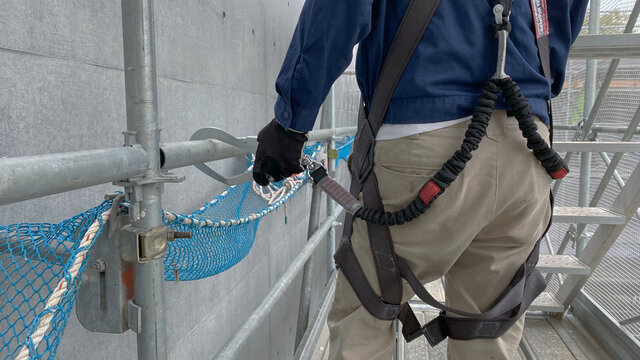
{"x":344,"y":148}
{"x":222,"y":232}
{"x":42,"y":264}
{"x":41,"y":267}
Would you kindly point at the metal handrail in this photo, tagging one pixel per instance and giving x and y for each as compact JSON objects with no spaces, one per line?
{"x":29,"y":177}
{"x":252,"y":323}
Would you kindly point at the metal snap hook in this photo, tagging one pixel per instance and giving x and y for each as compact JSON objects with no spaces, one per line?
{"x":502,"y":44}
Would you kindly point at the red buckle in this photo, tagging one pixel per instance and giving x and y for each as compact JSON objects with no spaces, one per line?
{"x":428,"y":192}
{"x":559,"y":174}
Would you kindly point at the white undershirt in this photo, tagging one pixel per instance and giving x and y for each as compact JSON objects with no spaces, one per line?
{"x":396,"y":131}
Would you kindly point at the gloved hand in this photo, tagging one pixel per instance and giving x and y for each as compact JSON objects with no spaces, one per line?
{"x":278,"y":154}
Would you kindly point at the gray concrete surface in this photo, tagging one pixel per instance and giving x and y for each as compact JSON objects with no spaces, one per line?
{"x":62,"y":89}
{"x":545,"y":338}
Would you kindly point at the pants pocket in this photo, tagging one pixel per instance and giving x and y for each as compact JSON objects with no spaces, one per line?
{"x":399,"y":184}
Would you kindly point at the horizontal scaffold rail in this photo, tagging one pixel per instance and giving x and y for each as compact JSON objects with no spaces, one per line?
{"x":29,"y":177}
{"x":597,"y":146}
{"x":617,"y":46}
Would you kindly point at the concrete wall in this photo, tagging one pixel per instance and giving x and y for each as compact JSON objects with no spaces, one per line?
{"x":62,"y":89}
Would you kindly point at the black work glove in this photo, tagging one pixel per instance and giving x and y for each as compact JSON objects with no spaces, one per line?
{"x":278,"y":154}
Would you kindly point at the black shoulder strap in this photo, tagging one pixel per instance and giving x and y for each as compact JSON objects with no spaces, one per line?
{"x":410,"y":32}
{"x":416,"y":19}
{"x":541,"y":29}
{"x":543,"y":53}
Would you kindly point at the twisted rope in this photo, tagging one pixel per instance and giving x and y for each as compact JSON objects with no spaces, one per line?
{"x":33,"y":340}
{"x":274,"y":194}
{"x":174,"y":218}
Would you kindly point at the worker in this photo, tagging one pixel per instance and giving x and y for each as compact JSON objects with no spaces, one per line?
{"x":476,"y":235}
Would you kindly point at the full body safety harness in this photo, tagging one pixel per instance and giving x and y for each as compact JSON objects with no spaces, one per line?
{"x":528,"y":283}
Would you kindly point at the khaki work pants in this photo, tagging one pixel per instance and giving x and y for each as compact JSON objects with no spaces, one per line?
{"x":477,"y":234}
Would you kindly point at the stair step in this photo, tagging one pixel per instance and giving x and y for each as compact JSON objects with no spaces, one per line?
{"x":546,"y":302}
{"x":562,"y":264}
{"x":597,"y":146}
{"x":587,"y":215}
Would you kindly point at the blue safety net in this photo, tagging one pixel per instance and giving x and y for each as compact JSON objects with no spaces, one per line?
{"x":343,"y":147}
{"x":223,"y":230}
{"x":41,"y":264}
{"x":41,"y":267}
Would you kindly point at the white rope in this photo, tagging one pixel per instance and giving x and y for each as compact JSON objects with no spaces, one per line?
{"x":61,"y":288}
{"x":272,"y":194}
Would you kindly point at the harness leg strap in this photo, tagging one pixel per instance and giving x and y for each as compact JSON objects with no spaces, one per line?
{"x":346,"y":260}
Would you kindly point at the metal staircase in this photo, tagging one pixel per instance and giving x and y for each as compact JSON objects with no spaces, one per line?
{"x":578,"y":268}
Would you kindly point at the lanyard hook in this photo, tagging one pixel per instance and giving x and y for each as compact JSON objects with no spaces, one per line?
{"x":502,"y":44}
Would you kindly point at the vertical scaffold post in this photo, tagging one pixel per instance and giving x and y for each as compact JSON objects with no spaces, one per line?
{"x":142,"y":118}
{"x":328,"y":115}
{"x":307,"y":274}
{"x":590,"y":84}
{"x":329,"y":120}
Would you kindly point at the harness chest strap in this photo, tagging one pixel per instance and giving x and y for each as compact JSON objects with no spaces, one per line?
{"x":527,"y":283}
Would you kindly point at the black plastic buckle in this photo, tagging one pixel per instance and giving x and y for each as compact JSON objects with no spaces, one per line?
{"x":414,"y":335}
{"x":434,"y":331}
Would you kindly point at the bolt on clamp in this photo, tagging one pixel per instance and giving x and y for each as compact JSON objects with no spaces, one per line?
{"x":145,"y":245}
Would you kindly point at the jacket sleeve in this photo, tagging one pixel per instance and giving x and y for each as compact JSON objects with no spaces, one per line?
{"x":320,"y":50}
{"x":566,"y":18}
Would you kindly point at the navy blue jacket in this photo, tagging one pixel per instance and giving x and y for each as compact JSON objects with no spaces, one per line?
{"x":443,"y":79}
